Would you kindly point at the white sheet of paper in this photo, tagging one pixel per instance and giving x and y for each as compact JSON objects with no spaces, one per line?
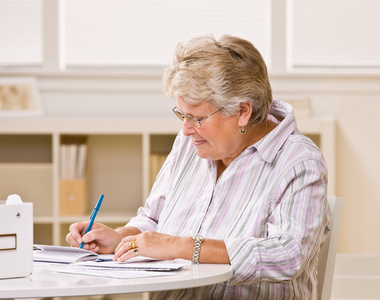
{"x":137,"y":263}
{"x":114,"y":273}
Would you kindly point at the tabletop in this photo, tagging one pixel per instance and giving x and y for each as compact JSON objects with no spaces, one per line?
{"x":46,"y":282}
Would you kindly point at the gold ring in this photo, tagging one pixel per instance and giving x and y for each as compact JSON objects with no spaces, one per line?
{"x":136,"y":252}
{"x":132,"y":245}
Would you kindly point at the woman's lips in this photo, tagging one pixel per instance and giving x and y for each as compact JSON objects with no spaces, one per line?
{"x":198,"y":143}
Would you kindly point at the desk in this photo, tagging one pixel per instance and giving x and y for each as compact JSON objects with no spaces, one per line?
{"x":44,"y":282}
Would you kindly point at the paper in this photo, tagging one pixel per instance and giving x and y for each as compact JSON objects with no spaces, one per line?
{"x":84,"y":262}
{"x":137,"y":267}
{"x":73,"y":161}
{"x":158,"y":265}
{"x":61,"y":254}
{"x":113,"y":273}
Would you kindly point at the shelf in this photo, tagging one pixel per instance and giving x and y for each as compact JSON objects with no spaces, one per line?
{"x":43,"y":219}
{"x":102,"y":217}
{"x":123,"y":158}
{"x":49,"y":126}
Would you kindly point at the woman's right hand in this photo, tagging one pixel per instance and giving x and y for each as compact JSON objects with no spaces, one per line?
{"x":101,"y":238}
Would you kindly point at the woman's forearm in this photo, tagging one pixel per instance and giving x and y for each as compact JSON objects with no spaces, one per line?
{"x":126,"y":231}
{"x":212,"y":251}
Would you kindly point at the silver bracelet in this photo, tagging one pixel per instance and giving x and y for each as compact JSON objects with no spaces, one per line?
{"x":198,"y":240}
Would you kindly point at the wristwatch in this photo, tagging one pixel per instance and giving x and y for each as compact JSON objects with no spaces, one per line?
{"x":198,"y":240}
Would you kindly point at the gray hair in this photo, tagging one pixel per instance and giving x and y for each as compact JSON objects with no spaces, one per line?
{"x":225,"y":72}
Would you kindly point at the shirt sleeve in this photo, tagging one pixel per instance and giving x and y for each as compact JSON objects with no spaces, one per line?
{"x":295,"y":229}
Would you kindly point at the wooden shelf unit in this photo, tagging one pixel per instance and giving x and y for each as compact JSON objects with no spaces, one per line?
{"x":118,"y":165}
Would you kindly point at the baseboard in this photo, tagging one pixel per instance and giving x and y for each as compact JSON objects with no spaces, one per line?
{"x":356,"y":276}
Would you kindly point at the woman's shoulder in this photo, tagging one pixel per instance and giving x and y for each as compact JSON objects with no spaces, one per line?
{"x":301,"y":147}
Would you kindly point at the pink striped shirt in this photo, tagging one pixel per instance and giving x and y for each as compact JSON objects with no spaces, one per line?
{"x":269,"y":206}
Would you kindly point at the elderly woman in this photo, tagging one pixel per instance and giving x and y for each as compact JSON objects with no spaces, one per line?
{"x":241,"y":185}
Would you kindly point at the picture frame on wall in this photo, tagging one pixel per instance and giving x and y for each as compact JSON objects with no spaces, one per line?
{"x":19,"y":97}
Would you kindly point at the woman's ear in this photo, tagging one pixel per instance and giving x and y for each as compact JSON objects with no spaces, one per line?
{"x":245,"y":113}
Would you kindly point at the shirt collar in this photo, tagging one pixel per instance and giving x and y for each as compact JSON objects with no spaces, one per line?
{"x":282,"y":114}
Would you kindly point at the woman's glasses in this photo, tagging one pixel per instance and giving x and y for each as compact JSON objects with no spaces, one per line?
{"x":193,"y":121}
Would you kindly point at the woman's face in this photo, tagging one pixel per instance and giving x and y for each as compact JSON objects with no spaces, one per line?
{"x":218,"y":138}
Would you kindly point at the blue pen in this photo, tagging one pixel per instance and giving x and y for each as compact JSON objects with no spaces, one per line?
{"x":93,"y":216}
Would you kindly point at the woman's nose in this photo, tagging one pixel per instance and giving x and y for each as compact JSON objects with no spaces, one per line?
{"x":187,"y":128}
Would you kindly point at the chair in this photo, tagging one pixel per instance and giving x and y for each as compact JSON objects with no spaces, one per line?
{"x":327,"y":254}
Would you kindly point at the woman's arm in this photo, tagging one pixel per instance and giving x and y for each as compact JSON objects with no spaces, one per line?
{"x":296,"y":227}
{"x":167,"y":247}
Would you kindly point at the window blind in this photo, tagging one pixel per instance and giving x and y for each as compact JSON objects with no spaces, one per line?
{"x":116,"y":33}
{"x":339,"y":33}
{"x":21,"y":41}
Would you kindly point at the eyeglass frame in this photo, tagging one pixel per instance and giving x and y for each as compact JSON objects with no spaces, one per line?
{"x":191,"y":118}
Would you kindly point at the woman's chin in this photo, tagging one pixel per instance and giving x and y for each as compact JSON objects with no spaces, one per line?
{"x":202,"y":153}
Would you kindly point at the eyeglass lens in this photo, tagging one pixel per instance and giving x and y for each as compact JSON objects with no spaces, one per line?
{"x":182,"y":117}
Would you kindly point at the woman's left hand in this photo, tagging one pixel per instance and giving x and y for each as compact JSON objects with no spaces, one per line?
{"x":150,"y":244}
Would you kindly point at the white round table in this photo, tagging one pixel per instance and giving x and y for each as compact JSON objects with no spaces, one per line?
{"x":45,"y":282}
